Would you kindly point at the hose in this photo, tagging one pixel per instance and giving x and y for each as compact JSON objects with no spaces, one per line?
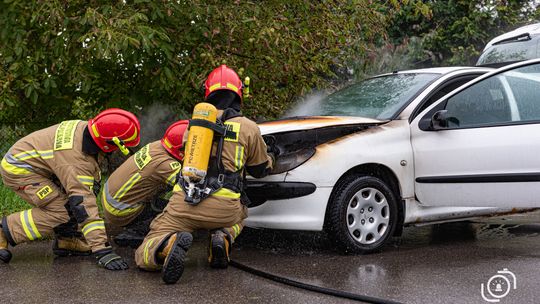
{"x":323,"y":290}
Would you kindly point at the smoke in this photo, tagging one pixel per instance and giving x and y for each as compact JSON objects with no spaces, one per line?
{"x":155,"y":119}
{"x":306,"y":105}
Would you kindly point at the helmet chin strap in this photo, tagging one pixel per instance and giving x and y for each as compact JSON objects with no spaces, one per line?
{"x":120,"y":144}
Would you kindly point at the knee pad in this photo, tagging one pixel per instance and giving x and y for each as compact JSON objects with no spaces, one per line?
{"x":76,"y":209}
{"x":68,"y":229}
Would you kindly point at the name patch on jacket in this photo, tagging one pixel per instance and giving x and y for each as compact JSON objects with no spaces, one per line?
{"x":142,"y":157}
{"x":233,"y":131}
{"x":63,"y":138}
{"x":44,"y":192}
{"x":175,"y":165}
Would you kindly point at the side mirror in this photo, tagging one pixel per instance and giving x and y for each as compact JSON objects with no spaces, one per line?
{"x":439,"y":120}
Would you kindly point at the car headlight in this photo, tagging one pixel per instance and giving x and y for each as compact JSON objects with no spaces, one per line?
{"x":296,"y":147}
{"x":289,"y":161}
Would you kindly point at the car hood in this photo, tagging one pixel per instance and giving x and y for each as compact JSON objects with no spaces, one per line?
{"x":313,"y":122}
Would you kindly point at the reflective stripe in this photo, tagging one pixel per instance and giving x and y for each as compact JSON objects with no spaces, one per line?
{"x":171,"y":180}
{"x":86,"y":180}
{"x":146,"y":247}
{"x":239,"y":157}
{"x":232,"y":87}
{"x":100,"y":224}
{"x":114,"y":207}
{"x":29,"y":227}
{"x":128,"y":185}
{"x":94,"y":130}
{"x":45,"y":154}
{"x":167,"y":143}
{"x":236,"y":229}
{"x":132,"y":137}
{"x":214,"y":87}
{"x":15,"y":163}
{"x":224,"y":192}
{"x":14,"y":169}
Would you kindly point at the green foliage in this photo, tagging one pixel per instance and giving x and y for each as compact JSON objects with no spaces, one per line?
{"x":457,"y":30}
{"x":64,"y":59}
{"x":10,"y":201}
{"x":71,"y":59}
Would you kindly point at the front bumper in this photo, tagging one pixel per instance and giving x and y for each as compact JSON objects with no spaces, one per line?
{"x":260,"y":192}
{"x":300,"y":213}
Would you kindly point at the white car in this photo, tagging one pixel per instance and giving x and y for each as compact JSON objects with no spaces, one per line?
{"x":389,"y":152}
{"x":520,"y":44}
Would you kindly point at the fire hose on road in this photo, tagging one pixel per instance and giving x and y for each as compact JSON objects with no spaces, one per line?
{"x":319,"y":289}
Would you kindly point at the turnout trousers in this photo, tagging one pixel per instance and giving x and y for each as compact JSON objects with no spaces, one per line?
{"x":49,"y":209}
{"x":212,"y":213}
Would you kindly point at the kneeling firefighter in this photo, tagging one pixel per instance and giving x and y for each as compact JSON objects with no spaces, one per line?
{"x":57,"y":171}
{"x":207,"y":195}
{"x":133,"y":194}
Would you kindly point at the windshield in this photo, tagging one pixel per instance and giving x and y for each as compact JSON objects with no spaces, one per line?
{"x":509,"y":52}
{"x":379,"y":98}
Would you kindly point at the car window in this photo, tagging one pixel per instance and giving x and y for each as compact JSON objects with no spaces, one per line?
{"x":380,"y":97}
{"x":525,"y":86}
{"x":510,"y":51}
{"x":442,"y":91}
{"x":509,"y":97}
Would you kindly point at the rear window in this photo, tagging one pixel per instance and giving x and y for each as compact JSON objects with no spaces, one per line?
{"x":510,"y":52}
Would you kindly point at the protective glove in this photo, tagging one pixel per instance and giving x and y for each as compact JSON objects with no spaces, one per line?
{"x":272,"y":158}
{"x":109,"y":260}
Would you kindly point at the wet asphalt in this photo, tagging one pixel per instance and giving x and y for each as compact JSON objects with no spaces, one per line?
{"x":431,"y":264}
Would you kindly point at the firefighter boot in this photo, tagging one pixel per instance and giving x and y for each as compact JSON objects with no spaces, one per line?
{"x":133,"y":235}
{"x":174,"y":254}
{"x":5,"y":255}
{"x":65,"y":246}
{"x":218,"y":249}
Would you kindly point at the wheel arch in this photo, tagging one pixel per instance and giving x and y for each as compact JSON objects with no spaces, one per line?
{"x":386,"y":175}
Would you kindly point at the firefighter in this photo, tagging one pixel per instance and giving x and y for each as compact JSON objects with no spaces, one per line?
{"x":131,"y":195}
{"x":170,"y":237}
{"x":57,"y":171}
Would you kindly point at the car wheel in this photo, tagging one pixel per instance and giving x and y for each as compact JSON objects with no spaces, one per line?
{"x":362,"y":214}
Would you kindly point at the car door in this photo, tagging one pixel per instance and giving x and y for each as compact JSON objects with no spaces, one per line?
{"x":480,"y":146}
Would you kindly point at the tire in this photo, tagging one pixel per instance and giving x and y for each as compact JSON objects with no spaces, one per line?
{"x":362,"y":214}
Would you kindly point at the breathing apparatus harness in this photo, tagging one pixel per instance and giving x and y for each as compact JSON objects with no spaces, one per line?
{"x":217,"y":176}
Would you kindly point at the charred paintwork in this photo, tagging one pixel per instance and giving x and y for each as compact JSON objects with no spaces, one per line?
{"x":313,"y":122}
{"x":295,"y":147}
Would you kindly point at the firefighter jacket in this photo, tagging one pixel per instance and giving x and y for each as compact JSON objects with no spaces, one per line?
{"x":56,"y":153}
{"x":243,"y":149}
{"x":246,"y":148}
{"x":138,"y":179}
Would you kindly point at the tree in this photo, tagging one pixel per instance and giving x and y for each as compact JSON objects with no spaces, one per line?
{"x":457,"y":30}
{"x":63,"y":59}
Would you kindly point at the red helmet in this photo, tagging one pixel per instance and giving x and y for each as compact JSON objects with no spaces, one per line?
{"x":223,"y":78}
{"x":172,"y":140}
{"x":114,"y":129}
